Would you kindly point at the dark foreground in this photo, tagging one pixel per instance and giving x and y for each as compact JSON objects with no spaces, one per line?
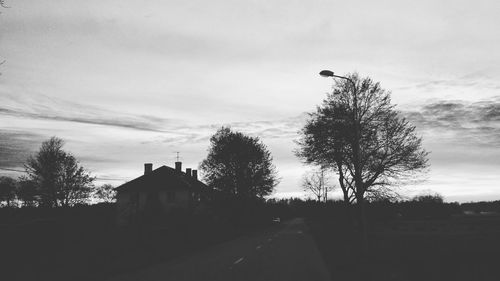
{"x":457,"y":248}
{"x":408,"y":241}
{"x":84,"y":243}
{"x":285,"y":252}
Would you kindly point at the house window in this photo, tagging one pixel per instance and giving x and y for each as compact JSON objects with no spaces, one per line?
{"x":170,"y":196}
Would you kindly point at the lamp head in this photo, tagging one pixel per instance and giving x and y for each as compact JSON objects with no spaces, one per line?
{"x":326,"y":73}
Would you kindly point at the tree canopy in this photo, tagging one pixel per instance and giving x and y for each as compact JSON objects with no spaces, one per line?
{"x":27,"y":192}
{"x":7,"y":190}
{"x":57,"y":176}
{"x":239,"y":165}
{"x":105,"y":193}
{"x":358,"y":132}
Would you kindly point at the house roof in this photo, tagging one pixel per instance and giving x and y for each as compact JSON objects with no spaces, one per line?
{"x":163,"y":178}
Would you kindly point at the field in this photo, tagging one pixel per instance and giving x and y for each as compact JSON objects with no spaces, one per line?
{"x":407,"y":240}
{"x":457,"y":248}
{"x":84,"y":243}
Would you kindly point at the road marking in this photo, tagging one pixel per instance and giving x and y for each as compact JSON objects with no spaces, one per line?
{"x":238,"y":261}
{"x":258,"y":247}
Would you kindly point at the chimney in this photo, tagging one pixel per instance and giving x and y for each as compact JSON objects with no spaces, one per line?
{"x":148,"y":168}
{"x":178,"y":166}
{"x":188,"y":172}
{"x":195,"y":174}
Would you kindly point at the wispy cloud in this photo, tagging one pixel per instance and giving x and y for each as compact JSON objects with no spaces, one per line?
{"x":56,"y":109}
{"x":16,"y":146}
{"x":474,"y":81}
{"x":466,"y":123}
{"x":282,"y":128}
{"x":286,"y":128}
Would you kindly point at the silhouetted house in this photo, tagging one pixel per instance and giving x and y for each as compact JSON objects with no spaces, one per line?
{"x":159,"y":191}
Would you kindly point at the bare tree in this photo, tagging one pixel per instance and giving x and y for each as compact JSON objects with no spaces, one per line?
{"x":317,"y":183}
{"x":357,"y":132}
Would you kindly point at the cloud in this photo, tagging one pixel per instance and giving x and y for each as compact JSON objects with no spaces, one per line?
{"x":16,"y":146}
{"x":49,"y":108}
{"x":271,"y":129}
{"x":481,"y":83}
{"x":462,"y":122}
{"x":286,"y":128}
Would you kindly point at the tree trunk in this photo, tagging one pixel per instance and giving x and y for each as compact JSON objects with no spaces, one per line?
{"x":362,"y":223}
{"x":346,"y":197}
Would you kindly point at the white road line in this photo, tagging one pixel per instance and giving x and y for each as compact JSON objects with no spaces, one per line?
{"x":258,"y":247}
{"x":238,"y":261}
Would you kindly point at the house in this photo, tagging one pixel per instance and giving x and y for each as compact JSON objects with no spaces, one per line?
{"x":159,"y":191}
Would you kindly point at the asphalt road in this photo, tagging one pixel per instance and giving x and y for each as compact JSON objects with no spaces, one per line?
{"x":286,"y":252}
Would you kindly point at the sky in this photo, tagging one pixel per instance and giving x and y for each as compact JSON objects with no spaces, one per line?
{"x":126,"y":83}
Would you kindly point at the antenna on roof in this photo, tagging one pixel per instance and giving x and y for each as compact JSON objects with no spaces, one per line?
{"x":178,"y":164}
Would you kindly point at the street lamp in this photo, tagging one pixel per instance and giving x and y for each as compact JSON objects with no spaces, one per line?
{"x":356,"y":146}
{"x":329,"y":73}
{"x":326,"y":73}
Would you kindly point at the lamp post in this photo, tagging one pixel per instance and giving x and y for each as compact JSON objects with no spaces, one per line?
{"x":355,"y":149}
{"x":329,"y":73}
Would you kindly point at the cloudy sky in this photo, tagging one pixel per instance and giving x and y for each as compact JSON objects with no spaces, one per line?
{"x":127,"y":82}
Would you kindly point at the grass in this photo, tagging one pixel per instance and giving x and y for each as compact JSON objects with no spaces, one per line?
{"x":458,"y":248}
{"x":84,"y":243}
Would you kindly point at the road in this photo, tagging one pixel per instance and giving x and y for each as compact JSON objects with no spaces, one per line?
{"x":286,"y":252}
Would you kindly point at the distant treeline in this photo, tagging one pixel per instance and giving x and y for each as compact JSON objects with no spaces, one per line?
{"x":417,"y":208}
{"x":482,"y":206}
